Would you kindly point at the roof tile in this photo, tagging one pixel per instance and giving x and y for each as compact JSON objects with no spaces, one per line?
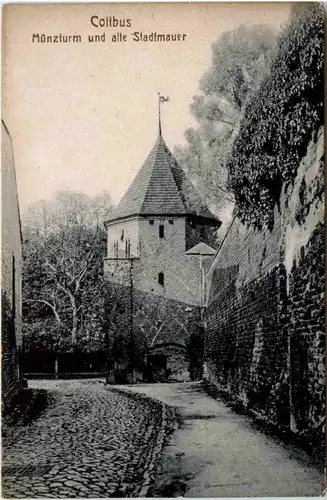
{"x":160,"y":188}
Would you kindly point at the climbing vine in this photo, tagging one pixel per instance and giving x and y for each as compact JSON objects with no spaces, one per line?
{"x":281,"y":119}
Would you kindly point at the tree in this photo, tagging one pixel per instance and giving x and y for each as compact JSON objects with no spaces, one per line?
{"x":240,"y":60}
{"x":270,"y":145}
{"x":64,"y":243}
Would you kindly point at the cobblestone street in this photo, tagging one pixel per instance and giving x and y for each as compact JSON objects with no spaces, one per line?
{"x":98,"y":441}
{"x":90,"y":442}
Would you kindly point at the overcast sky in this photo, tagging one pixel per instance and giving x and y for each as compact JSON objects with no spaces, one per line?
{"x":83,"y":116}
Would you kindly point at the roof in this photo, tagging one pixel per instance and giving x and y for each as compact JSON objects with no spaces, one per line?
{"x":161,"y":187}
{"x":201,"y":249}
{"x":121,"y":254}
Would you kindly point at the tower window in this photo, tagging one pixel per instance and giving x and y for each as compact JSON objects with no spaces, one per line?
{"x":151,"y":222}
{"x":161,"y":231}
{"x":161,"y":279}
{"x":122,"y":235}
{"x":171,"y":222}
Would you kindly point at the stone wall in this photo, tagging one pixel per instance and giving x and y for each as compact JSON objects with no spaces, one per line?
{"x":154,"y":255}
{"x":182,"y":273}
{"x":264,"y":337}
{"x":11,"y":287}
{"x":120,"y":232}
{"x":148,"y":324}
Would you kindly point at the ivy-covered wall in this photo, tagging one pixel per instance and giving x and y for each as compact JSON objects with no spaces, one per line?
{"x":281,"y":119}
{"x":264,"y":337}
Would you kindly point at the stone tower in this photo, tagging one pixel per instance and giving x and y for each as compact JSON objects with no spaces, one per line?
{"x":158,"y":251}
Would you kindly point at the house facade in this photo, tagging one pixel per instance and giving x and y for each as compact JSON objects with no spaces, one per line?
{"x":159,"y":245}
{"x":11,"y":260}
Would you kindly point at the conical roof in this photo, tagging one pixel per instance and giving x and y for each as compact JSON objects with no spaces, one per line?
{"x":161,"y":188}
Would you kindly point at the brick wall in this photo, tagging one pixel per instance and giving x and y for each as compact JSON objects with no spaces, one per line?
{"x":11,"y":259}
{"x":264,"y":337}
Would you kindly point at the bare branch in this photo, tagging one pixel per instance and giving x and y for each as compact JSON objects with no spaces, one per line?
{"x":55,"y":312}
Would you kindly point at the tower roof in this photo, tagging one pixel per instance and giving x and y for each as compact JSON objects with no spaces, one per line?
{"x":201,"y":249}
{"x":162,"y":188}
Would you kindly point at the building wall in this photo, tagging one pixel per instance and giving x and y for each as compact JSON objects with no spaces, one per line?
{"x":11,"y":256}
{"x":182,"y":273}
{"x":120,"y":232}
{"x":264,"y":339}
{"x":182,"y":276}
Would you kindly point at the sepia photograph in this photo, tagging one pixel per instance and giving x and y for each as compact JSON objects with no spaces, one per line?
{"x":163,"y":250}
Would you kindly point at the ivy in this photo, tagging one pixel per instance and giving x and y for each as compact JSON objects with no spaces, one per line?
{"x":281,"y":119}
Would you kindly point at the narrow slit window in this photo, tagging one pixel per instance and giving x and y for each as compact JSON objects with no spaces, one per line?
{"x":171,"y":222}
{"x":161,"y":279}
{"x":151,"y":222}
{"x":161,"y":231}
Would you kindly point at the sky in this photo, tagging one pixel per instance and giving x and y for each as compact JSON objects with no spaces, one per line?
{"x":84,"y":116}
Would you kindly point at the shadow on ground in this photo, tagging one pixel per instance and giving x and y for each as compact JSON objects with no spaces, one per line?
{"x":26,"y":406}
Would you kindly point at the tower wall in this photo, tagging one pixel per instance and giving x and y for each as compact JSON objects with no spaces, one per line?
{"x":182,"y":276}
{"x":120,"y":232}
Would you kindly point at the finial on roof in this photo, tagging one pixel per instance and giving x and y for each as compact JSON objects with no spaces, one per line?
{"x":161,"y":99}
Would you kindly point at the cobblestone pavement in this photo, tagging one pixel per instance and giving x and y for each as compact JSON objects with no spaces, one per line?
{"x":90,"y":442}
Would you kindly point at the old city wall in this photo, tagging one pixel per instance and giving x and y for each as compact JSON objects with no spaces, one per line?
{"x":11,"y":258}
{"x":264,"y":339}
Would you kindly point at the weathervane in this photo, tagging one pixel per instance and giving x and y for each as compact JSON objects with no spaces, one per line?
{"x":161,"y":99}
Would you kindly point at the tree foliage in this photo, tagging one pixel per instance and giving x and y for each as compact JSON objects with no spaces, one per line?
{"x":240,"y":60}
{"x":64,"y":243}
{"x":281,"y":118}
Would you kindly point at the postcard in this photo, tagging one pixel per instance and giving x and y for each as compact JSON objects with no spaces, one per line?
{"x":163,"y":265}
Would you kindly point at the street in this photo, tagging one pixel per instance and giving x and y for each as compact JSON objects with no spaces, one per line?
{"x":218,"y":453}
{"x":101,"y":441}
{"x":92,"y":442}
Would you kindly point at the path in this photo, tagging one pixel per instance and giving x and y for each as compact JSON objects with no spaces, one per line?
{"x":217,"y":453}
{"x":91,"y":442}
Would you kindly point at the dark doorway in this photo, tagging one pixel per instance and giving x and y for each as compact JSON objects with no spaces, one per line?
{"x":156,"y":368}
